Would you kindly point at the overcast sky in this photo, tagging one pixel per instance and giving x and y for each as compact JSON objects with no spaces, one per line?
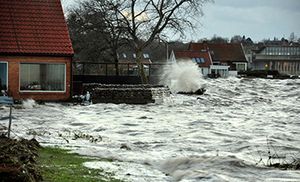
{"x":257,"y":19}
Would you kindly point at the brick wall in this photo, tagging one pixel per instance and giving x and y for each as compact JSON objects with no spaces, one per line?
{"x":14,"y":81}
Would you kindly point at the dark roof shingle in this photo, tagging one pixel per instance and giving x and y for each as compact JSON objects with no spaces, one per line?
{"x":33,"y":27}
{"x":221,"y":51}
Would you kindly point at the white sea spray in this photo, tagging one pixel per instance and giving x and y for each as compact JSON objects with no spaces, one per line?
{"x":182,"y":76}
{"x":28,"y":104}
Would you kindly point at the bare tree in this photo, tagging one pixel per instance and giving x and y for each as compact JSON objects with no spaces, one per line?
{"x":88,"y":38}
{"x":147,"y":20}
{"x":237,"y":39}
{"x":218,"y":39}
{"x":98,"y":25}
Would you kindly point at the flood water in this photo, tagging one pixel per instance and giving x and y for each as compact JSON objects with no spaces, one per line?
{"x":224,"y":135}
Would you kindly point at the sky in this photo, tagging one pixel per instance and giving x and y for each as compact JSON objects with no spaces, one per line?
{"x":257,"y":19}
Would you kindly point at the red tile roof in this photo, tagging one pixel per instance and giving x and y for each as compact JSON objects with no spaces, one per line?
{"x":221,"y":51}
{"x":195,"y":54}
{"x":33,"y":27}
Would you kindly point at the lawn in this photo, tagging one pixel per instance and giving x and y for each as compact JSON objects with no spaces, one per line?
{"x":60,"y":165}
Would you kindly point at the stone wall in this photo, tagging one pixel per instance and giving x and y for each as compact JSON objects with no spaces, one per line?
{"x":129,"y":94}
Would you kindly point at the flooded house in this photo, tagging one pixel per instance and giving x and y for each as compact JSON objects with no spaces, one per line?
{"x":226,"y":57}
{"x":35,"y":50}
{"x":201,"y":58}
{"x":283,"y":58}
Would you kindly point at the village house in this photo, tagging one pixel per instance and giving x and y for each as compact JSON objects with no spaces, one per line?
{"x":201,"y":58}
{"x":35,"y":50}
{"x":285,"y":59}
{"x":127,"y":60}
{"x":224,"y":54}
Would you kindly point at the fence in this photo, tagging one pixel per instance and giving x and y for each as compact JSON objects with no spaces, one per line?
{"x":115,"y":69}
{"x":111,"y":73}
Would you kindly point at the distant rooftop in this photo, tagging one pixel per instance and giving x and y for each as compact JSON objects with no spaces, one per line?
{"x":281,"y":51}
{"x":221,"y":51}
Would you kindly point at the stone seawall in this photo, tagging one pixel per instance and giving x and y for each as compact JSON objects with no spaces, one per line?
{"x":129,"y":94}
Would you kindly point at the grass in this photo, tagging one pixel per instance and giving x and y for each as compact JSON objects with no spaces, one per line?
{"x":58,"y":165}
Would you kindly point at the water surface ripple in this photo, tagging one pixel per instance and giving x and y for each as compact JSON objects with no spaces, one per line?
{"x":219,"y":136}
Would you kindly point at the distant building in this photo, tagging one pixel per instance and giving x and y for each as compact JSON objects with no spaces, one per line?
{"x":201,"y":58}
{"x":130,"y":57}
{"x":225,"y":54}
{"x":35,"y":50}
{"x":285,"y":59}
{"x":127,"y":60}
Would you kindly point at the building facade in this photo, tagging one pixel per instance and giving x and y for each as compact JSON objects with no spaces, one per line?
{"x":285,"y":59}
{"x":225,"y":54}
{"x":201,"y":58}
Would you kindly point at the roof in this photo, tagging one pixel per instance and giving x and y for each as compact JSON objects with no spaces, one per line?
{"x":221,"y":51}
{"x":35,"y":27}
{"x":195,"y":54}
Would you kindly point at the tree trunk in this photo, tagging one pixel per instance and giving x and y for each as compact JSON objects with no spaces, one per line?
{"x":139,"y":61}
{"x":116,"y":66}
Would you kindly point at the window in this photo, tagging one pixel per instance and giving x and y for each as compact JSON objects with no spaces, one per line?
{"x":3,"y":76}
{"x":124,"y":55}
{"x":241,"y":66}
{"x":198,"y":60}
{"x":134,"y":55}
{"x":146,"y":56}
{"x":42,"y":77}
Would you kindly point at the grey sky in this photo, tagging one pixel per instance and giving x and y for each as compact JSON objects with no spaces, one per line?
{"x":257,"y":19}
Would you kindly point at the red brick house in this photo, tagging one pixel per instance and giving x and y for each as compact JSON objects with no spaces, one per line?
{"x":227,"y":54}
{"x":35,"y":50}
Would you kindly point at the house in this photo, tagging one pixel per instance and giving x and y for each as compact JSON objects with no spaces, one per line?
{"x":285,"y":59}
{"x":225,"y":54}
{"x":127,"y":60}
{"x":201,"y":58}
{"x":35,"y":50}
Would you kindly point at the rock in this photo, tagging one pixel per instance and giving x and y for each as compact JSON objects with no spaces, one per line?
{"x":200,"y":91}
{"x":125,"y":146}
{"x":18,"y":160}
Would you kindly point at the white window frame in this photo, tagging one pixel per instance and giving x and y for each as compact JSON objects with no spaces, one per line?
{"x":241,"y":63}
{"x":6,"y":73}
{"x":43,"y":91}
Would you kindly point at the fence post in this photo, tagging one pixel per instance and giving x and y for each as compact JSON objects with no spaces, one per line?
{"x":128,"y":69}
{"x":106,"y":72}
{"x":9,"y":124}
